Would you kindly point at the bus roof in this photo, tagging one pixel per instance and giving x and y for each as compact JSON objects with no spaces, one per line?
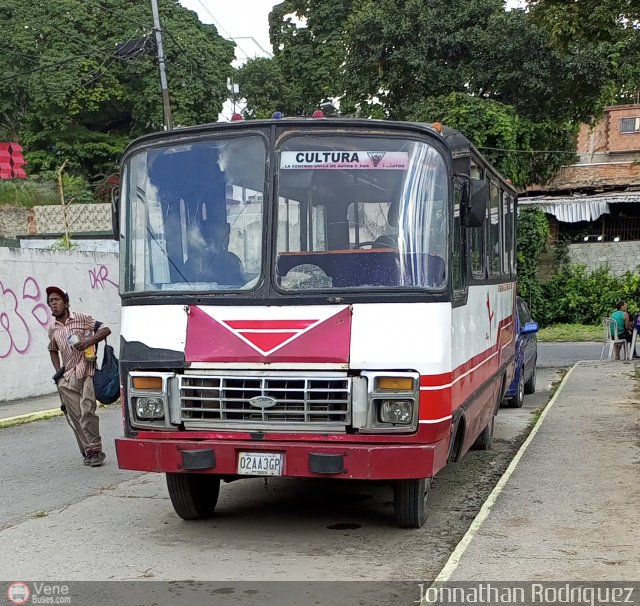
{"x":455,"y":141}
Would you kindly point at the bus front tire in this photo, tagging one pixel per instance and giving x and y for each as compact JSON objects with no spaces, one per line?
{"x":410,"y":501}
{"x":193,"y":496}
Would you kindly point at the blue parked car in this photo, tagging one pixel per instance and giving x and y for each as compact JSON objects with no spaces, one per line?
{"x":524,"y":378}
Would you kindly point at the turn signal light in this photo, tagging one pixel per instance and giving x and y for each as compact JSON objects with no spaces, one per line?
{"x":395,"y":383}
{"x":149,"y":383}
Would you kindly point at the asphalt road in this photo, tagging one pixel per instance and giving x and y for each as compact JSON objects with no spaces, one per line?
{"x":42,"y":468}
{"x":283,"y":529}
{"x":553,"y":355}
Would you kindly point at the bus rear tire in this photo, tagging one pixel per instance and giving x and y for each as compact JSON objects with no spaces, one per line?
{"x":485,"y":439}
{"x":410,"y":501}
{"x":530,"y":385}
{"x":193,"y":496}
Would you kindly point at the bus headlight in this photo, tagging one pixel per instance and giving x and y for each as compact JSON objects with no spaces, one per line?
{"x":398,"y":412}
{"x":149,"y":408}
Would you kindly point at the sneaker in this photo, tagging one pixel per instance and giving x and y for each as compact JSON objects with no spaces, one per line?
{"x":87,"y":458}
{"x":98,"y":459}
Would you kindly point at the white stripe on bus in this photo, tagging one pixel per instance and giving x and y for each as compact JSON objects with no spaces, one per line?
{"x":435,"y":420}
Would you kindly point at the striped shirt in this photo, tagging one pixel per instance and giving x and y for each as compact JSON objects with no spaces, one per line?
{"x":73,"y":360}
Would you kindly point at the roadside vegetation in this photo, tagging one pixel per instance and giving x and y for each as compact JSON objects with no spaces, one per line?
{"x":570,"y":333}
{"x":574,"y":300}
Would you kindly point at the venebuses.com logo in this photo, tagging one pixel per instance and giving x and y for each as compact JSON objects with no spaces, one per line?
{"x":18,"y":593}
{"x":38,"y":592}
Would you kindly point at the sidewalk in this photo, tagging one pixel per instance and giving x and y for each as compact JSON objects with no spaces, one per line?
{"x":15,"y":412}
{"x":569,"y":510}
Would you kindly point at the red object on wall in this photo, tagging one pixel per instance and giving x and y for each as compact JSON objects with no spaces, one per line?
{"x":5,"y":161}
{"x":12,"y":161}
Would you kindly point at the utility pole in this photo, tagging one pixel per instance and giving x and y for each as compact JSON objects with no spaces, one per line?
{"x":168,"y":125}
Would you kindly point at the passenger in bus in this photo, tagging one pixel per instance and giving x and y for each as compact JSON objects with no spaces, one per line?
{"x":211,"y":260}
{"x":389,"y":239}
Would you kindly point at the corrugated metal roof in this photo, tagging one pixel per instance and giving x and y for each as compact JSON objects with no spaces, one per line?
{"x":572,"y":209}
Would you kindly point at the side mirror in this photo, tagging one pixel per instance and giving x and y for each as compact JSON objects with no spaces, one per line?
{"x":474,"y":203}
{"x":115,"y":213}
{"x":529,"y":328}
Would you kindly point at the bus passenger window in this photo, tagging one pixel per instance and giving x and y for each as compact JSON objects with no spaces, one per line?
{"x":493,"y":225}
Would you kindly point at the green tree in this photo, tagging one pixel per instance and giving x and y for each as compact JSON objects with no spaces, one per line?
{"x":266,"y":90}
{"x":497,"y":130}
{"x":610,"y":28}
{"x":532,"y":240}
{"x":309,"y":47}
{"x":72,"y":92}
{"x":494,"y":74}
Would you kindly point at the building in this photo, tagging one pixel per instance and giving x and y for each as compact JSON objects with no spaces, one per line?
{"x":594,"y":205}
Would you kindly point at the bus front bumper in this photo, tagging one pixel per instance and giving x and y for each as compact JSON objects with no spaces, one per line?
{"x":310,"y":460}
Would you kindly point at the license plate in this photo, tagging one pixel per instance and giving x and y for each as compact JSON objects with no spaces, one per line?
{"x":260,"y":463}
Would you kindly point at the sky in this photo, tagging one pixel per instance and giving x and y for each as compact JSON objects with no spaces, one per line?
{"x":240,"y":20}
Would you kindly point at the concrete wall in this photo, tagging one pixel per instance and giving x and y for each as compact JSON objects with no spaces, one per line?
{"x":14,"y":221}
{"x":82,"y":245}
{"x":619,"y":256}
{"x":90,"y":279}
{"x":44,"y":220}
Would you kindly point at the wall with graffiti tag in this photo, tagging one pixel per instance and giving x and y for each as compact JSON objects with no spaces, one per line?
{"x":90,"y":278}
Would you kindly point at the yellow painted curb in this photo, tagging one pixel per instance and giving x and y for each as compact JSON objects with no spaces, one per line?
{"x":37,"y":416}
{"x":29,"y":417}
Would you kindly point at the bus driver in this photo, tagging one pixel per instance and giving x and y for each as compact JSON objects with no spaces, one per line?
{"x":211,"y":260}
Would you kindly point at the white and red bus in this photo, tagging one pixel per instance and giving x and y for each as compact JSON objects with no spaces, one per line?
{"x":312,"y":298}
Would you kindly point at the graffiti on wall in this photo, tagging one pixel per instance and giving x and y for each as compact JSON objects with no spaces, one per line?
{"x":99,"y":277}
{"x":19,"y":314}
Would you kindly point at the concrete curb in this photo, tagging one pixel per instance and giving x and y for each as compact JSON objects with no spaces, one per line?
{"x":454,"y":559}
{"x":41,"y":415}
{"x":29,"y":417}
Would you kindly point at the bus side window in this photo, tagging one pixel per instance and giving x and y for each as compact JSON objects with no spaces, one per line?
{"x":476,"y":236}
{"x":459,"y":266}
{"x":507,"y":233}
{"x":493,"y":227}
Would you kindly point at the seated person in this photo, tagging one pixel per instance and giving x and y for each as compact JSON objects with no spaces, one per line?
{"x":624,"y":325}
{"x":211,"y":261}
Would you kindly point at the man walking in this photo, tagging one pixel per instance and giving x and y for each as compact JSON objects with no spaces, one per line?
{"x":73,"y":337}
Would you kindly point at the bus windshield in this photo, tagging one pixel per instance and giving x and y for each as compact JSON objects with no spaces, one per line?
{"x":360,"y":212}
{"x":193,"y":217}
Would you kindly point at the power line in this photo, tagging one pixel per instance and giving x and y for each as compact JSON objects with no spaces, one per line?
{"x":529,"y":151}
{"x":58,"y":63}
{"x":224,"y":31}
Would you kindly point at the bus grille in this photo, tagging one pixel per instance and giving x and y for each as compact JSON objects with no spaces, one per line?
{"x":265,"y":402}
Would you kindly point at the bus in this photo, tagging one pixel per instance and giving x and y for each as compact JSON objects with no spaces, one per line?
{"x":311,"y":298}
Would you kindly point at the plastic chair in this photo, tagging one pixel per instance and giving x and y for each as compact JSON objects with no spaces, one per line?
{"x":611,"y":338}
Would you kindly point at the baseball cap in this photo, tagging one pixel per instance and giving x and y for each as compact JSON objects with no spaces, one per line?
{"x":59,"y":291}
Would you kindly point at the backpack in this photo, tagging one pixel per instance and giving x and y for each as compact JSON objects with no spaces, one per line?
{"x":106,"y":380}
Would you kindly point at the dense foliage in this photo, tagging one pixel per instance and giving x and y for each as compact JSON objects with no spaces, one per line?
{"x":573,"y":295}
{"x":500,"y":76}
{"x":609,"y":28}
{"x":71,"y":90}
{"x":576,"y":295}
